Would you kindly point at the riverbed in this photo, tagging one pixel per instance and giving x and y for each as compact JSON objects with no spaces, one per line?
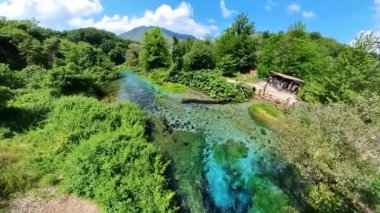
{"x":236,"y":159}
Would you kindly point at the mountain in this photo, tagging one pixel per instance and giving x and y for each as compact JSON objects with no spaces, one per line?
{"x":137,"y":34}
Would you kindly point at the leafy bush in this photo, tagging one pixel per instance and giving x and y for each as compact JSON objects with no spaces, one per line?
{"x":122,"y":173}
{"x":330,"y":146}
{"x":5,"y":95}
{"x":227,"y":65}
{"x":98,"y":151}
{"x":201,"y":56}
{"x":267,"y":198}
{"x":154,"y":52}
{"x":214,"y":85}
{"x":7,"y":77}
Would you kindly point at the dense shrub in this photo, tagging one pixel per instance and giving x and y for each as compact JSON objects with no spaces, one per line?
{"x":122,"y":173}
{"x":214,"y":85}
{"x":154,"y":52}
{"x":5,"y":95}
{"x":98,"y":151}
{"x":7,"y":77}
{"x":335,"y":151}
{"x":201,"y":56}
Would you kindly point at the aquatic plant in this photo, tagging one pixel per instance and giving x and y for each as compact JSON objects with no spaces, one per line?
{"x":265,"y":114}
{"x":266,"y":197}
{"x":230,"y":152}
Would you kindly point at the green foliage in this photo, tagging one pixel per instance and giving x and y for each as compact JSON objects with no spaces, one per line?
{"x":228,"y":153}
{"x":237,"y":41}
{"x":266,"y":197}
{"x":108,"y":42}
{"x":123,"y":174}
{"x":265,"y":114}
{"x":132,"y":54}
{"x":5,"y":95}
{"x":292,"y":53}
{"x":13,"y":175}
{"x":112,"y":152}
{"x":327,"y":145}
{"x":154,"y":51}
{"x":201,"y":56}
{"x":227,"y":65}
{"x":177,"y":52}
{"x":214,"y":85}
{"x":33,"y":77}
{"x":359,"y":72}
{"x":7,"y":76}
{"x":323,"y":199}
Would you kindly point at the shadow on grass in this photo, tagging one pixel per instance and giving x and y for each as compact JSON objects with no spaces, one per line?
{"x":17,"y":120}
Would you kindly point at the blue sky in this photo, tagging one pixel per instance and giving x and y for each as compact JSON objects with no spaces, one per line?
{"x":339,"y":19}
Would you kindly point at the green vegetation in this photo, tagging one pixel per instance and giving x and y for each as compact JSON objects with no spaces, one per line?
{"x":184,"y":149}
{"x":154,"y":52}
{"x":95,"y":150}
{"x":265,"y":114}
{"x":112,"y":152}
{"x":326,"y":145}
{"x":228,"y":153}
{"x":214,"y":85}
{"x":238,"y":45}
{"x":201,"y":56}
{"x":54,"y":130}
{"x":267,"y":198}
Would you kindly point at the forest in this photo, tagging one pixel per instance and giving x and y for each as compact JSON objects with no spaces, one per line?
{"x":60,"y":126}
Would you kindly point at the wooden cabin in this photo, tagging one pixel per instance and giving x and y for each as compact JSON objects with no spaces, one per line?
{"x":285,"y":83}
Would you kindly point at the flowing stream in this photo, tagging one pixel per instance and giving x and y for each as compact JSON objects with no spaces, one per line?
{"x":228,"y":175}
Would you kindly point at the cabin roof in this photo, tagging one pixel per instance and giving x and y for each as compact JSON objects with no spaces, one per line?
{"x":287,"y":77}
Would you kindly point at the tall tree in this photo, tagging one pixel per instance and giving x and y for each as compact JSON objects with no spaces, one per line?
{"x":201,"y":56}
{"x":238,"y":42}
{"x":154,"y":51}
{"x":177,"y":53}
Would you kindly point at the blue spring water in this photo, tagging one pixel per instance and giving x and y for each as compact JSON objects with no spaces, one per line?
{"x":227,"y":186}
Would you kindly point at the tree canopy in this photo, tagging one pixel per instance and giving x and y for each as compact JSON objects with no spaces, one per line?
{"x":154,"y":50}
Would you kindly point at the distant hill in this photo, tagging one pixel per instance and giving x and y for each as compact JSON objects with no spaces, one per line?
{"x":137,"y":34}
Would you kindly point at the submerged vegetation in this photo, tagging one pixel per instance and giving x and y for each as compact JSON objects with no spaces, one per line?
{"x":54,"y":131}
{"x":230,"y":152}
{"x":265,"y":114}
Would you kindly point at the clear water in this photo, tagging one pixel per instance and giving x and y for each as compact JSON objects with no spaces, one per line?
{"x":226,"y":185}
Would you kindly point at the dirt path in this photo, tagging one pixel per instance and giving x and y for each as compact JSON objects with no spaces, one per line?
{"x":271,"y":93}
{"x":31,"y":203}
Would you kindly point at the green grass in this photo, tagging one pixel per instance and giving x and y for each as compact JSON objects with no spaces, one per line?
{"x":265,"y":114}
{"x":174,"y":87}
{"x":228,"y":153}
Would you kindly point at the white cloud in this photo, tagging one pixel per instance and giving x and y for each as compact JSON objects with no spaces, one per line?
{"x":308,"y":14}
{"x":294,"y":8}
{"x":225,"y":11}
{"x":297,"y":9}
{"x":210,"y":20}
{"x":270,"y":4}
{"x":50,"y":13}
{"x":178,"y":19}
